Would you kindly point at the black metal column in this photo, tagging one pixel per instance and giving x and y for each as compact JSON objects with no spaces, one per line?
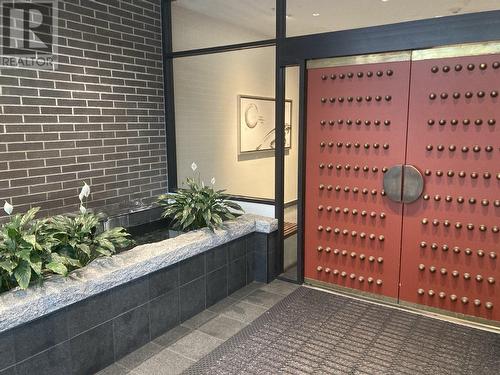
{"x":279,"y":194}
{"x":301,"y":171}
{"x":168,"y":89}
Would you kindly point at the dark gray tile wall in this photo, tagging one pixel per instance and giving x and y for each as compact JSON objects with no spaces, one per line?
{"x":90,"y":313}
{"x":131,"y":330}
{"x":216,"y":258}
{"x":41,"y":334}
{"x":164,"y":313}
{"x":192,"y":269}
{"x":163,"y":281}
{"x":217,"y":285}
{"x":236,"y":274}
{"x":91,"y":350}
{"x":266,"y":260}
{"x":90,"y":335}
{"x":192,"y":298}
{"x":7,"y":352}
{"x":57,"y":359}
{"x":99,"y":118}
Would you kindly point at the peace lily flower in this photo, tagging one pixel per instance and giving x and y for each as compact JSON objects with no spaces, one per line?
{"x":194,"y":166}
{"x":85,"y":192}
{"x":83,"y":210}
{"x":213,"y":181}
{"x":8,"y":208}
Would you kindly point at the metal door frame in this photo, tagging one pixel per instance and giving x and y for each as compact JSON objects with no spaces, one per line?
{"x":295,"y":51}
{"x":407,"y":36}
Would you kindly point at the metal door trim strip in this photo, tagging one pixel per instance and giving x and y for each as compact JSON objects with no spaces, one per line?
{"x":359,"y":59}
{"x":457,"y":50}
{"x":433,"y":312}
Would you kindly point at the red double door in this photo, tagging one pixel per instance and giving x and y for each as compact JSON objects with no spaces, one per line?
{"x":368,"y":114}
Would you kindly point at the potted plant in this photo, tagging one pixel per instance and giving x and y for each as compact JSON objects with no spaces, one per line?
{"x":197,"y":206}
{"x":78,"y":240}
{"x":25,"y":256}
{"x":33,"y":249}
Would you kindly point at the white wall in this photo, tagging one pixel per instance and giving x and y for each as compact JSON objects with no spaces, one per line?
{"x":206,"y":109}
{"x":257,"y":208}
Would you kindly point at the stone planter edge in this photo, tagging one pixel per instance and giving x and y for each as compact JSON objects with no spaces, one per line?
{"x":18,"y":307}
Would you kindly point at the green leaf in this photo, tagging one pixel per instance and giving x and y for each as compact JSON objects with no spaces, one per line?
{"x":188,"y":221}
{"x":66,"y":260}
{"x":12,"y":233}
{"x":29,"y":216}
{"x":185,"y":212}
{"x":104,"y":251}
{"x":36,"y":264}
{"x":57,"y":268}
{"x":8,"y":265}
{"x":72,"y":262}
{"x":24,"y":254}
{"x":233,"y":205}
{"x":31,"y":239}
{"x":83,"y":248}
{"x":105,"y":243}
{"x":22,"y":274}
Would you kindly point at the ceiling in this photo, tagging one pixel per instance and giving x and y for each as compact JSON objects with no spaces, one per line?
{"x":317,"y":16}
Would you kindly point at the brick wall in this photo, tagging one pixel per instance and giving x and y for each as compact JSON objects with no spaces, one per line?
{"x":99,"y":118}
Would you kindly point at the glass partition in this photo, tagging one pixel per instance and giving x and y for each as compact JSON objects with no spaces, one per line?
{"x":290,"y":243}
{"x":224,"y":114}
{"x":202,"y":24}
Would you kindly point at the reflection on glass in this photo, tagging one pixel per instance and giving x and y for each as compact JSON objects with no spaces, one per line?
{"x":290,"y":242}
{"x":291,"y":181}
{"x":209,"y":23}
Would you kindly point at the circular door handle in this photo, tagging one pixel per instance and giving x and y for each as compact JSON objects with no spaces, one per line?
{"x":403,"y":183}
{"x":393,"y":183}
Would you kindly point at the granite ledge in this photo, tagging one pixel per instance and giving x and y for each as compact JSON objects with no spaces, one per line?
{"x":263,"y":224}
{"x":18,"y":307}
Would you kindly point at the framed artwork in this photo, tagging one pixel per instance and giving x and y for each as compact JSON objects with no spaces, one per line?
{"x":256,"y":130}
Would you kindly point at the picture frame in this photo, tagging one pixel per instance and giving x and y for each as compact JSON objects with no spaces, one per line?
{"x":256,"y":124}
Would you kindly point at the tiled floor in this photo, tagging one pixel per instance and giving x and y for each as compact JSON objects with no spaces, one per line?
{"x":179,"y":348}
